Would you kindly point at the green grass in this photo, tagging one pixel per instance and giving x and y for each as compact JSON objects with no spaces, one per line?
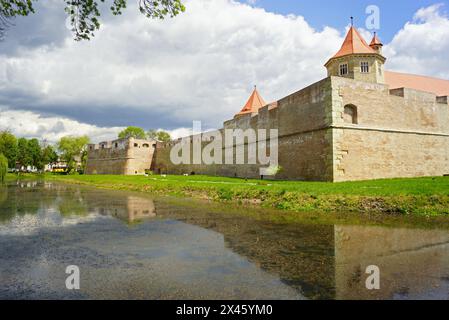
{"x":417,"y":196}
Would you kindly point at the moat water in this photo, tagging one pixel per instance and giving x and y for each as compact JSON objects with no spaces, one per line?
{"x":131,"y":246}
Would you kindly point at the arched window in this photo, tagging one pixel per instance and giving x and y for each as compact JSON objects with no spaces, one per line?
{"x":146,"y":145}
{"x":350,"y":114}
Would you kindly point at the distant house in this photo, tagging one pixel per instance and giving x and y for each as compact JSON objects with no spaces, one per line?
{"x":21,"y":168}
{"x":61,"y":165}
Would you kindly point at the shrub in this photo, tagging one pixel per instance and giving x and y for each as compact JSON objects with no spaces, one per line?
{"x":3,"y":167}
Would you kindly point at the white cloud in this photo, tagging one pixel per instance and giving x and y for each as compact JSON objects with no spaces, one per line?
{"x":201,"y":65}
{"x":32,"y":125}
{"x":422,"y":45}
{"x":179,"y":133}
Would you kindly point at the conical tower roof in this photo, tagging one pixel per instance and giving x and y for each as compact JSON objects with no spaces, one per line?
{"x":254,"y":103}
{"x":354,"y":43}
{"x":376,"y":41}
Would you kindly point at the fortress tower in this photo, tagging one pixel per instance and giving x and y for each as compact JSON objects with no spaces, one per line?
{"x":252,"y":106}
{"x":357,"y":60}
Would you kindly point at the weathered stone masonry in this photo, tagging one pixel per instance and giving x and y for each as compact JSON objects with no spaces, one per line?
{"x":122,"y":156}
{"x":399,"y":133}
{"x":358,"y":123}
{"x":402,"y":133}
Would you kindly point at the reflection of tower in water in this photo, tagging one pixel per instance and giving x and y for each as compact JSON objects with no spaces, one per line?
{"x":140,"y":208}
{"x":130,"y":208}
{"x":330,"y":261}
{"x":413,"y":263}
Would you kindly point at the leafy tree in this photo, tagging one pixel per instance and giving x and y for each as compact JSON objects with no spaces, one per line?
{"x":84,"y":14}
{"x":49,"y":155}
{"x":23,"y":153}
{"x":163,"y":136}
{"x":71,"y":147}
{"x":8,"y":147}
{"x":35,"y":154}
{"x":159,"y":135}
{"x":132,"y":132}
{"x":3,"y":167}
{"x":152,"y":134}
{"x":83,"y":160}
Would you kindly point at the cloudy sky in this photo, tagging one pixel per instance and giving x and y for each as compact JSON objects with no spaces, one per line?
{"x":201,"y":65}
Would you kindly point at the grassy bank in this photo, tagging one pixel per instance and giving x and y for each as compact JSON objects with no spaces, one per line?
{"x":416,"y":196}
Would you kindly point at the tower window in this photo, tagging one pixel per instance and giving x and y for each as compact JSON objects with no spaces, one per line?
{"x":343,"y":69}
{"x":364,"y":67}
{"x":350,"y":114}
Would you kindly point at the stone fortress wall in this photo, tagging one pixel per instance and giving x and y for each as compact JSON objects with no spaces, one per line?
{"x":122,"y":156}
{"x":342,"y":129}
{"x":394,"y":133}
{"x":349,"y":126}
{"x":304,"y":139}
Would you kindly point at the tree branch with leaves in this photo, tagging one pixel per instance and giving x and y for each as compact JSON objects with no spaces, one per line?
{"x":84,"y":14}
{"x":10,"y":9}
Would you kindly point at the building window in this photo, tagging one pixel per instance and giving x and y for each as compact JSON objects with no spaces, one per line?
{"x":350,"y":114}
{"x":146,"y":145}
{"x":116,"y":145}
{"x":343,"y":69}
{"x":136,"y":145}
{"x":364,"y":67}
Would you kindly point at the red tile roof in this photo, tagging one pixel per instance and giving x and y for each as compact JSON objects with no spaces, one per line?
{"x":375,"y":41}
{"x":423,"y":83}
{"x":354,"y":43}
{"x":254,"y":103}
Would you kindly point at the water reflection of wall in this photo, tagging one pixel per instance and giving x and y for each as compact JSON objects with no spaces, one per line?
{"x":412,"y":262}
{"x":327,"y":262}
{"x":321,"y":261}
{"x":128,"y":208}
{"x":120,"y":205}
{"x":301,"y":255}
{"x":28,"y":197}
